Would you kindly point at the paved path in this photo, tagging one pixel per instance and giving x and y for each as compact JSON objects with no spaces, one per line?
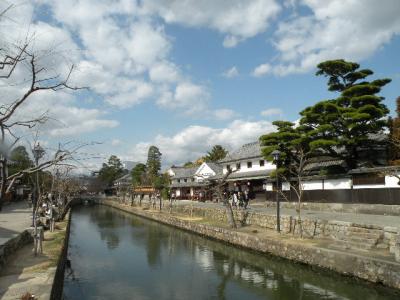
{"x":365,"y":219}
{"x":14,"y":219}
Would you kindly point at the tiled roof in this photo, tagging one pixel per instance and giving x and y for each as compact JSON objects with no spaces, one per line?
{"x":375,"y":170}
{"x":217,"y":168}
{"x":250,"y":150}
{"x":260,"y":174}
{"x":188,"y":184}
{"x":323,"y":164}
{"x":123,"y":179}
{"x":181,"y":172}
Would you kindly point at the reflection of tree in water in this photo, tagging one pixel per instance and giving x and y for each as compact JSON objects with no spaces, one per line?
{"x":267,"y":277}
{"x":108,"y":222}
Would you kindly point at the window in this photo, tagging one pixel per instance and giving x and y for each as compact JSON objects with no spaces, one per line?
{"x":249,"y":165}
{"x":179,"y":180}
{"x":228,"y":167}
{"x":262,"y":163}
{"x":185,"y":180}
{"x":192,"y":179}
{"x":238,"y":166}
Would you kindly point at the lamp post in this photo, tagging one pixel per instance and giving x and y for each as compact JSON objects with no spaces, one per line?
{"x":276,"y":154}
{"x":38,"y":153}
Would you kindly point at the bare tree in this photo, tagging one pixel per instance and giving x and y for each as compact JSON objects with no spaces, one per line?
{"x":218,"y":186}
{"x":294,"y":177}
{"x":39,"y":80}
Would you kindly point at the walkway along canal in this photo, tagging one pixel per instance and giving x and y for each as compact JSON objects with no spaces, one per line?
{"x":116,"y":255}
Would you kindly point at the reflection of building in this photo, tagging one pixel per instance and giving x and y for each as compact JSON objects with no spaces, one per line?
{"x":192,"y":183}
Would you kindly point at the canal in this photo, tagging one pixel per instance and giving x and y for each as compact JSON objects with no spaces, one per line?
{"x":116,"y":255}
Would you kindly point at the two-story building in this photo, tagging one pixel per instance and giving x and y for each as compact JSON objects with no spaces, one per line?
{"x":249,"y":168}
{"x":192,"y":183}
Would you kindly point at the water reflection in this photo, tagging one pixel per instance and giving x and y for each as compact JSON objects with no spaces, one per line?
{"x":115,"y":255}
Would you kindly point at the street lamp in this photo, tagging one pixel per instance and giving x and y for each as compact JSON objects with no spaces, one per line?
{"x":38,"y":153}
{"x":276,"y":154}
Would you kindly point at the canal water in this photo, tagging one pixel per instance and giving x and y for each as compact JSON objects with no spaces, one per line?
{"x":115,"y":255}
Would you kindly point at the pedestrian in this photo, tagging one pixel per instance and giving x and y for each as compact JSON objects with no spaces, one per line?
{"x":234,"y":199}
{"x":246,"y":198}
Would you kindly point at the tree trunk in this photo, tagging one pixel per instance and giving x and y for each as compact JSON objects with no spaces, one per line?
{"x":229,"y":211}
{"x":3,"y":181}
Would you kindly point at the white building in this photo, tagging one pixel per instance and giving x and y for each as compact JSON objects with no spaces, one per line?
{"x":249,"y":168}
{"x":191,"y":183}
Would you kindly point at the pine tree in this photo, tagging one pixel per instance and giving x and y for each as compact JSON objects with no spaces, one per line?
{"x":138,"y":174}
{"x":394,"y":149}
{"x":153,"y":164}
{"x":217,"y":153}
{"x":343,"y":126}
{"x":111,"y":170}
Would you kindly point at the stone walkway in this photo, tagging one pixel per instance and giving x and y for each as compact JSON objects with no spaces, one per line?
{"x":26,"y":273}
{"x":14,"y":219}
{"x":363,"y":219}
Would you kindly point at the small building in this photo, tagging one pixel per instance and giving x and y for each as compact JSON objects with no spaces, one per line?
{"x":122,"y":184}
{"x":192,"y":183}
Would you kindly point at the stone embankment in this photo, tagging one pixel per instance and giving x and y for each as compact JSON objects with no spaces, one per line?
{"x":12,"y":245}
{"x":377,"y":266}
{"x":372,"y":209}
{"x":347,"y":235}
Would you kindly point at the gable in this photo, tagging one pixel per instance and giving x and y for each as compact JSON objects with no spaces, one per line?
{"x":204,"y":171}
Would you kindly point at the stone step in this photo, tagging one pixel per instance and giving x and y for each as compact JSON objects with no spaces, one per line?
{"x":363,"y":230}
{"x":364,"y":235}
{"x":362,"y":240}
{"x":352,"y":245}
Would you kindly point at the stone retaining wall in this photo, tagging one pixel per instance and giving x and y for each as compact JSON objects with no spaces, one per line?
{"x":337,"y":230}
{"x":13,"y":245}
{"x":365,"y":267}
{"x":58,"y":281}
{"x":374,"y":209}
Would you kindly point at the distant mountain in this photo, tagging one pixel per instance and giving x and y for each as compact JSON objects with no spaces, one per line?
{"x":129,"y":165}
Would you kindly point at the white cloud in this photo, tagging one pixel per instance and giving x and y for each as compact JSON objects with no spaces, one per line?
{"x":349,"y":29}
{"x":231,"y":72}
{"x":164,"y":72}
{"x":138,"y":92}
{"x":261,"y":70}
{"x":116,"y":142}
{"x":223,"y":114}
{"x":271,"y":112}
{"x":194,"y":141}
{"x":237,"y":19}
{"x":187,"y":96}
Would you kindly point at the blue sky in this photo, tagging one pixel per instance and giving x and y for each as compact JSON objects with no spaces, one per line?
{"x":185,"y":75}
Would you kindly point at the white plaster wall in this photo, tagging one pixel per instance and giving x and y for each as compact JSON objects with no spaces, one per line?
{"x":312,"y":185}
{"x":285,"y":186}
{"x":392,"y":182}
{"x":337,"y":184}
{"x":255,"y":166}
{"x":369,"y":186}
{"x":269,"y":187}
